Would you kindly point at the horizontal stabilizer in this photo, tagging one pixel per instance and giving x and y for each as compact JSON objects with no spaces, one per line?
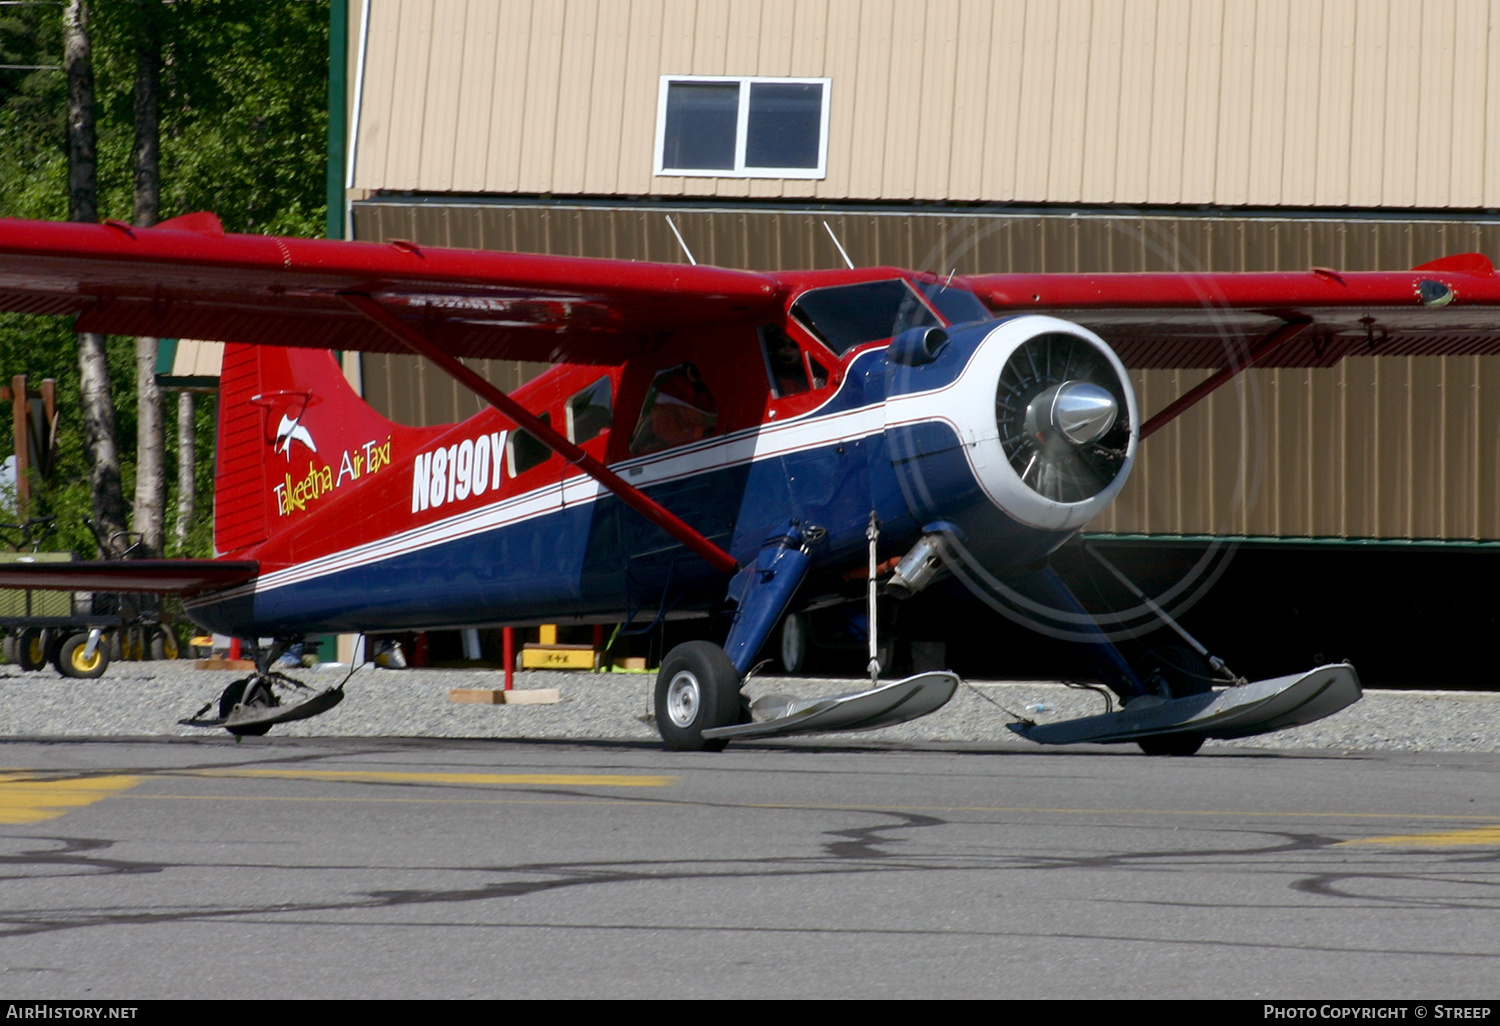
{"x":1255,"y":708}
{"x":160,"y":576}
{"x":884,"y":706}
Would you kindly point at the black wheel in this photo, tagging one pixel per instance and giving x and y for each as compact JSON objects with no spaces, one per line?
{"x":697,"y":688}
{"x":259,"y":695}
{"x":1172,"y":744}
{"x":164,"y":644}
{"x":792,"y":650}
{"x":72,"y":662}
{"x":1174,"y":671}
{"x":31,"y":649}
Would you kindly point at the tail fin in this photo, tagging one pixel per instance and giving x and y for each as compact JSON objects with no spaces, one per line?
{"x":290,"y":430}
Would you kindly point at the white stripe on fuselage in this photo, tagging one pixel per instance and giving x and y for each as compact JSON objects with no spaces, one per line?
{"x":766,"y":441}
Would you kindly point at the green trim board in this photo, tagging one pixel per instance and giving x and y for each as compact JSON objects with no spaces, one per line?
{"x":338,"y":74}
{"x":166,"y":354}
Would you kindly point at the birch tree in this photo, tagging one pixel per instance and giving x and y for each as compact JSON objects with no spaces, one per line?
{"x":150,"y":469}
{"x":98,"y":408}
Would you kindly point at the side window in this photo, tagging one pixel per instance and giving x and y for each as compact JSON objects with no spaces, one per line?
{"x":819,"y":372}
{"x":678,"y":409}
{"x":589,"y":413}
{"x":784,"y":363}
{"x":525,"y":451}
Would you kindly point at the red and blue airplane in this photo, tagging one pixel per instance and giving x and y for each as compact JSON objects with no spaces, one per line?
{"x":708,"y":442}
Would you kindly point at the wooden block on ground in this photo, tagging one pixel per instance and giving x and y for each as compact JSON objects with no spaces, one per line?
{"x":495,"y":696}
{"x":224,"y":664}
{"x":630,"y":663}
{"x":532,"y":696}
{"x":476,"y":696}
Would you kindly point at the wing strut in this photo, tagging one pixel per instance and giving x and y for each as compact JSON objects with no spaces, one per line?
{"x":1264,"y":348}
{"x":631,"y":496}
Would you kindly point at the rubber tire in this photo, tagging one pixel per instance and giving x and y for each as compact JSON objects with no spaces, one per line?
{"x":1185,"y":673}
{"x":792,"y":643}
{"x":31,"y":649}
{"x":1183,"y":670}
{"x":702,"y":667}
{"x":1172,"y":744}
{"x":235,"y":693}
{"x":164,"y":644}
{"x":70,"y":661}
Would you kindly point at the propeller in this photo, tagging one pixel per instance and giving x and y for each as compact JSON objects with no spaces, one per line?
{"x":1061,"y":413}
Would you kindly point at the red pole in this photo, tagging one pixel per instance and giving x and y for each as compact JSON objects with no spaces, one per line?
{"x":509,"y":633}
{"x":234,"y":648}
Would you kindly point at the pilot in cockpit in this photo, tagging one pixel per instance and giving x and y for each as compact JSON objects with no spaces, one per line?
{"x":678,"y":409}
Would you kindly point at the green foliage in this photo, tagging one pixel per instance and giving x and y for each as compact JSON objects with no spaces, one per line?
{"x":243,"y":102}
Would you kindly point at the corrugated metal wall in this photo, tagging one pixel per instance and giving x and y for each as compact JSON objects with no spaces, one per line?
{"x":1377,"y":447}
{"x":1365,"y":103}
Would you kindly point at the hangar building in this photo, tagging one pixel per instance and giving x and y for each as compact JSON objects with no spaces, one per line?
{"x":1025,"y":135}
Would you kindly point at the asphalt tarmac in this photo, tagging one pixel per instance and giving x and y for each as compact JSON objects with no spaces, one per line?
{"x":450,"y":868}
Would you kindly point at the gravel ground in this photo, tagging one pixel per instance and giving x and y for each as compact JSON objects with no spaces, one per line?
{"x":146,"y":700}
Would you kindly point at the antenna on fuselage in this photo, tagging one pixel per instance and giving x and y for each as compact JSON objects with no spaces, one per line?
{"x":842,"y":252}
{"x":680,"y":242}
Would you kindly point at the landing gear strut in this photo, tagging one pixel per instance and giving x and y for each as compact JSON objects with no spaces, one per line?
{"x":250,"y":706}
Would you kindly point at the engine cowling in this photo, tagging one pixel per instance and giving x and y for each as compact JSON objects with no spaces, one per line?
{"x":1045,"y":414}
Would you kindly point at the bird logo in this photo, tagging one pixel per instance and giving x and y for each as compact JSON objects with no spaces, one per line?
{"x":291,"y":429}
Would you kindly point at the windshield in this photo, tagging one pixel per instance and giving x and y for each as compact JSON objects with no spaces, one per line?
{"x":958,"y":306}
{"x":845,"y":316}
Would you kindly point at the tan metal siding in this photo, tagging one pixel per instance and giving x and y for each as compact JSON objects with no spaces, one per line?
{"x":502,"y":167}
{"x":1382,"y":447}
{"x":1360,"y":102}
{"x":1134,"y":93}
{"x":413,"y":51}
{"x":476,"y":96}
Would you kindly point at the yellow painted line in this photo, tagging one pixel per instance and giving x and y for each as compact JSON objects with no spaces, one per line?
{"x":26,"y":799}
{"x":492,"y":779}
{"x":1237,"y":813}
{"x":1486,"y":836}
{"x":349,"y":800}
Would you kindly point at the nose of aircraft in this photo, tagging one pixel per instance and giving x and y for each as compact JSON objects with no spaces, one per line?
{"x":1078,"y":412}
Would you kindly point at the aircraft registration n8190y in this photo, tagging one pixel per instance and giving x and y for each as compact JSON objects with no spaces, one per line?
{"x":708,"y":442}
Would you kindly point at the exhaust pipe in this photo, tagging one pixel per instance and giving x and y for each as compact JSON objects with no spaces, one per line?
{"x":917,"y":568}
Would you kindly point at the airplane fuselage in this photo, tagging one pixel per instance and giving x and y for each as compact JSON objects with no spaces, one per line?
{"x":471,"y":526}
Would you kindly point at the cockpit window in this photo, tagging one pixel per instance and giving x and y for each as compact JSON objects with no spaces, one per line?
{"x":525,"y":451}
{"x":589,"y":413}
{"x":678,"y":409}
{"x":845,"y":316}
{"x":784,"y":362}
{"x":958,"y":306}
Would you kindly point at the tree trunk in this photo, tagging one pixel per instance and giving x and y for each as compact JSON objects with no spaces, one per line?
{"x":187,"y":466}
{"x":150,"y":467}
{"x":98,"y":405}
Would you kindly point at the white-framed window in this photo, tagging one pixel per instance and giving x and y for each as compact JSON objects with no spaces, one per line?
{"x":730,"y":127}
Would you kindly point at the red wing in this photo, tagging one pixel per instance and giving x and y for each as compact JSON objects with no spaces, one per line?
{"x":186,"y":279}
{"x":1208,"y":320}
{"x":160,"y":576}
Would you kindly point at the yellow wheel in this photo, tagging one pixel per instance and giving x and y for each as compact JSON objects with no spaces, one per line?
{"x":72,"y":662}
{"x":32,"y":649}
{"x":164,"y":644}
